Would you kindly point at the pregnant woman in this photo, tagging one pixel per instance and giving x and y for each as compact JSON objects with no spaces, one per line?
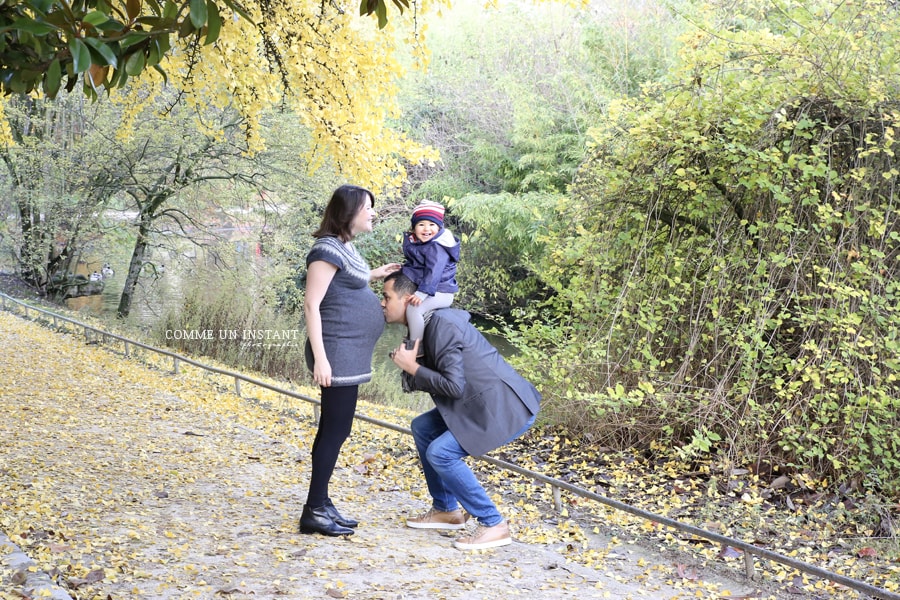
{"x":343,"y":322}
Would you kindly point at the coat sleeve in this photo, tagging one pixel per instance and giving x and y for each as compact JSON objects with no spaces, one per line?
{"x":447,"y":378}
{"x":436,"y":261}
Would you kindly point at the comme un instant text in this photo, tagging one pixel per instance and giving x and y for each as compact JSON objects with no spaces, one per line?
{"x":275,"y":335}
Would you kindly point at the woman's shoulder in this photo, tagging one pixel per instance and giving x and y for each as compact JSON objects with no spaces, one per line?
{"x":328,"y":248}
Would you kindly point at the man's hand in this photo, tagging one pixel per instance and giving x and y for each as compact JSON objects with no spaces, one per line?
{"x":406,"y":359}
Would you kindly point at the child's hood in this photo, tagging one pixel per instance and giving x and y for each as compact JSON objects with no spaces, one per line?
{"x":446,"y":239}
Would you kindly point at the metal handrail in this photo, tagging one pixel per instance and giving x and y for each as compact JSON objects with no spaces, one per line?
{"x":557,"y":485}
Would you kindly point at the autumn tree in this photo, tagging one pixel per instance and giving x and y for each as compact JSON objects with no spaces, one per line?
{"x":337,"y":73}
{"x":334,"y":72}
{"x":55,"y":200}
{"x":166,"y":161}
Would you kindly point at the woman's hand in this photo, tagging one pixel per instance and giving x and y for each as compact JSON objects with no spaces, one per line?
{"x":322,"y":373}
{"x":383,"y":271}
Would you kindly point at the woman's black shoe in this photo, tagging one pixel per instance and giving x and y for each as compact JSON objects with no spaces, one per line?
{"x":338,"y":517}
{"x":317,"y":520}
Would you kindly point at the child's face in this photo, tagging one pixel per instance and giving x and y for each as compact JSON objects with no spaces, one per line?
{"x":425,"y":230}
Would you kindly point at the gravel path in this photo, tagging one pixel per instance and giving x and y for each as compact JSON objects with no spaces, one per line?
{"x":121,"y":481}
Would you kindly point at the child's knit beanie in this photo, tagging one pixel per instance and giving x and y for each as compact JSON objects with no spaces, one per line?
{"x":428,"y":211}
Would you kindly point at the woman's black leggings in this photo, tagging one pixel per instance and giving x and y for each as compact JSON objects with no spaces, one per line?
{"x":335,"y":422}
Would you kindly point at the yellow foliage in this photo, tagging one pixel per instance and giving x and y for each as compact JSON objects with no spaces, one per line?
{"x":6,"y":138}
{"x":336,"y":71}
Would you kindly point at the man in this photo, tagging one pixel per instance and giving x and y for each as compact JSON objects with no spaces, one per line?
{"x":480,"y":402}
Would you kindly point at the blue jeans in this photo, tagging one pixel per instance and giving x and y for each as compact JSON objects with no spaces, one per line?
{"x":450,"y":480}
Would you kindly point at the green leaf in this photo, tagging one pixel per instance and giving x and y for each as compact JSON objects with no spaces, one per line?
{"x":42,"y":5}
{"x":171,"y":10}
{"x":238,"y":9}
{"x":81,"y":56}
{"x":119,"y":79}
{"x":156,"y":23}
{"x":213,"y":24}
{"x":161,"y":72}
{"x":52,"y":79}
{"x":162,"y":42}
{"x":186,"y":28}
{"x":155,"y":7}
{"x":135,"y":64}
{"x":135,"y":37}
{"x":153,"y":55}
{"x":103,"y":50}
{"x":95,"y":18}
{"x":111,"y":25}
{"x":15,"y":84}
{"x":381,"y":11}
{"x":32,"y":27}
{"x":198,"y":13}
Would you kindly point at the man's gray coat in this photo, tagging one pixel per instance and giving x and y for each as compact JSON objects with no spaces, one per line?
{"x":482,"y":399}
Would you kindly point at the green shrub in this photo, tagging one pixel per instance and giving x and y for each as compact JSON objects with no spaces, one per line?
{"x":724,"y":267}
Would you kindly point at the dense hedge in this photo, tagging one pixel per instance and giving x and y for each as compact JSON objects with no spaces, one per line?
{"x":725,"y":267}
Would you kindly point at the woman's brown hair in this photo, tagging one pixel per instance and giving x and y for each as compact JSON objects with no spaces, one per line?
{"x":345,"y":203}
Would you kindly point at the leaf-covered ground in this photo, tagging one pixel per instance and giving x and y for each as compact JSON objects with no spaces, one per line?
{"x":123,"y":480}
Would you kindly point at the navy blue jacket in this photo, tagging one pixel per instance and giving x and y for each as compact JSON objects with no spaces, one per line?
{"x":432,"y":264}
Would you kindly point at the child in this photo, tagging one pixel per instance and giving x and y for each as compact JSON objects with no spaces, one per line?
{"x":431,"y":254}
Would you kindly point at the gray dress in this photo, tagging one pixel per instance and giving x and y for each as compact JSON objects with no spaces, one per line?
{"x":352,"y":320}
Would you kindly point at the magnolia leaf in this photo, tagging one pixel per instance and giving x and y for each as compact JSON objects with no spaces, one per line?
{"x":135,"y":64}
{"x":160,"y":70}
{"x":133,"y":8}
{"x":171,"y":10}
{"x":103,"y":50}
{"x":381,"y":11}
{"x":213,"y":23}
{"x":81,"y":56}
{"x":186,"y":28}
{"x":32,"y":27}
{"x":95,"y":18}
{"x":119,"y":78}
{"x":96,"y":75}
{"x":134,"y":37}
{"x":198,"y":13}
{"x":42,"y":6}
{"x":153,"y":55}
{"x":52,"y":79}
{"x":240,"y":10}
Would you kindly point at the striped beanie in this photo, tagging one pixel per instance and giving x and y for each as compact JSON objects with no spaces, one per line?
{"x":428,"y":211}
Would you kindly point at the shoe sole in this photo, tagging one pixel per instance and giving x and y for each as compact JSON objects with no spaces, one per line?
{"x":483,"y":545}
{"x":449,"y":526}
{"x":308,"y":531}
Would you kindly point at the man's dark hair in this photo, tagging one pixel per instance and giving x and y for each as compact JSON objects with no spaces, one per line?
{"x":402,"y":283}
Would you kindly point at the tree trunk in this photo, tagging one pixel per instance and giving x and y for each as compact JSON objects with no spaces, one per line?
{"x":135,"y":267}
